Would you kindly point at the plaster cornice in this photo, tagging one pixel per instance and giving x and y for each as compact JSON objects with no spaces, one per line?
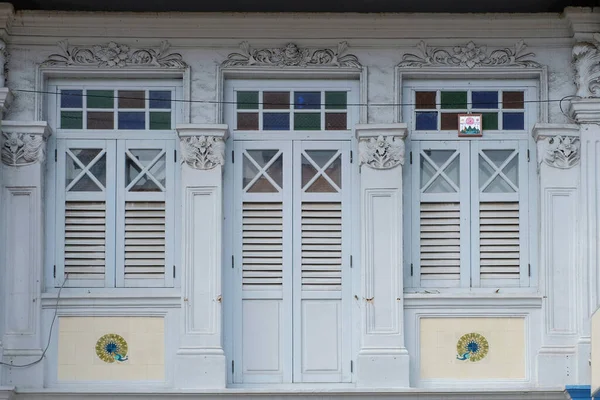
{"x":44,"y":24}
{"x":584,"y":21}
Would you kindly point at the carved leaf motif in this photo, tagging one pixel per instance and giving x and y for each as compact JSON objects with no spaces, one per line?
{"x":202,"y":152}
{"x":381,"y":152}
{"x":22,"y":148}
{"x":562,"y":152}
{"x":586,"y":61}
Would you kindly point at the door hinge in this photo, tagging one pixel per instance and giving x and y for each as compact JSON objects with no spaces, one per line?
{"x":351,"y":366}
{"x":55,"y":155}
{"x":529,"y":269}
{"x":528,"y":155}
{"x":174,"y":155}
{"x":232,"y":156}
{"x":411,"y":269}
{"x":351,"y":157}
{"x":55,"y":271}
{"x":174,"y":274}
{"x":350,"y":261}
{"x":232,"y":366}
{"x":232,"y":261}
{"x":411,"y":157}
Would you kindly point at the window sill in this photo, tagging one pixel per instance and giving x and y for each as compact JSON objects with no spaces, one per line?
{"x":115,"y":298}
{"x":472,"y":300}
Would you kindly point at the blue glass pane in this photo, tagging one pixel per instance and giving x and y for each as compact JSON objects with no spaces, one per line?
{"x":132,"y":120}
{"x":276,"y":122}
{"x":307,"y":100}
{"x":513,"y":121}
{"x":160,"y":99}
{"x":484,"y":99}
{"x":71,"y":99}
{"x":426,"y":121}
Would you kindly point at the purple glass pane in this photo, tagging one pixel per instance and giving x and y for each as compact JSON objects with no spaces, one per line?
{"x":160,"y":99}
{"x":71,"y":99}
{"x":276,"y":122}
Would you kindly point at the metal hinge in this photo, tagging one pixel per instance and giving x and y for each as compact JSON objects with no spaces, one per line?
{"x":351,"y":157}
{"x":528,"y":155}
{"x":351,"y":366}
{"x":174,"y":274}
{"x":411,"y":157}
{"x":232,"y":261}
{"x":232,"y":367}
{"x":55,"y":155}
{"x":232,"y":156}
{"x":174,"y":155}
{"x":411,"y":269}
{"x":55,"y":271}
{"x":350,"y":261}
{"x":529,"y":269}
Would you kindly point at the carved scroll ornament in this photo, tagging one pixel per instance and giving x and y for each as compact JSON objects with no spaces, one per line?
{"x":114,"y":55}
{"x":470,"y":56}
{"x":562,"y":151}
{"x":586,"y":61}
{"x":382,"y":152}
{"x":292,"y":56}
{"x":202,"y":152}
{"x":20,"y":149}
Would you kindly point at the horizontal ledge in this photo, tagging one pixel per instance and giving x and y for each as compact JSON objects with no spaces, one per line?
{"x":135,"y":299}
{"x":477,"y":301}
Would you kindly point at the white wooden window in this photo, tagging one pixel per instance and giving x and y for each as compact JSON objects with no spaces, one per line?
{"x":114,"y":190}
{"x":469,"y":199}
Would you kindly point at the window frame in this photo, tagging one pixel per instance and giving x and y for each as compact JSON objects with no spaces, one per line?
{"x":531,"y":95}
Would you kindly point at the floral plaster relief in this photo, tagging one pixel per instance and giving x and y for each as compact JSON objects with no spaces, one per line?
{"x":381,"y":152}
{"x":562,"y":152}
{"x":586,"y":61}
{"x":22,"y":148}
{"x":202,"y":152}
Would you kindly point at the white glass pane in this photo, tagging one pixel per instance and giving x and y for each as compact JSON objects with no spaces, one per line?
{"x":275,"y":171}
{"x":249,"y":171}
{"x":321,"y":157}
{"x":262,"y":157}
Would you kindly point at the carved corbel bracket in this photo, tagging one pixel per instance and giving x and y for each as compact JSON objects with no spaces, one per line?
{"x":381,"y":146}
{"x":202,"y":145}
{"x":558,"y":144}
{"x":586,"y":62}
{"x":24,"y":142}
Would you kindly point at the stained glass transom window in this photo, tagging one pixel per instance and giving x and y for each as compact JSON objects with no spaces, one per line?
{"x":279,"y":110}
{"x":114,"y":109}
{"x":437,"y":110}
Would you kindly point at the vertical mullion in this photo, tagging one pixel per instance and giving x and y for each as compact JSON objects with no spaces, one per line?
{"x":416,"y":214}
{"x":472,"y":207}
{"x":119,"y":205}
{"x":111,"y":197}
{"x":60,"y":230}
{"x":169,"y":213}
{"x":523,"y":185}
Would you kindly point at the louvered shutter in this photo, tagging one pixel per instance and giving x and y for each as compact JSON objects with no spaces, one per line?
{"x":262,"y":324}
{"x":85,"y":213}
{"x":440,"y":182}
{"x":500,"y":224}
{"x":145,"y":213}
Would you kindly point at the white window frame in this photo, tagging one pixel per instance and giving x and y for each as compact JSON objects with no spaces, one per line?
{"x":53,"y":278}
{"x":531,"y":96}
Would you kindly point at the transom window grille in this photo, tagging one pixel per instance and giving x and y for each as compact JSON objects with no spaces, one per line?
{"x":437,"y":110}
{"x":291,"y":110}
{"x":115,"y":109}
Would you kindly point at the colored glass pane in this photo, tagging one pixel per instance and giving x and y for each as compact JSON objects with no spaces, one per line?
{"x":336,"y":121}
{"x":247,"y":100}
{"x":132,"y":99}
{"x":160,"y":120}
{"x":71,"y":98}
{"x":71,"y":120}
{"x":490,"y":121}
{"x":307,"y":121}
{"x":100,"y":99}
{"x":454,"y":100}
{"x":484,"y":99}
{"x":425,"y":100}
{"x":276,"y":100}
{"x":160,"y":99}
{"x":513,"y":100}
{"x":100,"y":120}
{"x":449,"y":122}
{"x":247,"y":121}
{"x":513,"y":120}
{"x":276,"y":121}
{"x":426,"y":120}
{"x":132,"y":120}
{"x":336,"y":100}
{"x":307,"y":100}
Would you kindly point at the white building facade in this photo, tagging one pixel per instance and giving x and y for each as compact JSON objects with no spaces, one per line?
{"x":218,"y":205}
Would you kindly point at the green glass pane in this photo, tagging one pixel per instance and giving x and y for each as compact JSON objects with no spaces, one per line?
{"x":490,"y":121}
{"x":455,"y":100}
{"x":100,"y":98}
{"x":336,"y":100}
{"x":71,"y":119}
{"x":307,"y":121}
{"x":247,"y":100}
{"x":160,"y":120}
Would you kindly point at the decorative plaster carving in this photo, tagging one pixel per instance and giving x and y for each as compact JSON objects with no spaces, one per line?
{"x":562,"y":151}
{"x":586,"y":61}
{"x":114,"y":55}
{"x":292,"y":56}
{"x":203,"y":152}
{"x":381,"y":152}
{"x":3,"y":63}
{"x":469,"y":55}
{"x":22,"y":148}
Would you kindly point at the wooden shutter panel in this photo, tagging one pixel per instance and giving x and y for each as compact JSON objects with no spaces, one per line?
{"x":499,"y":248}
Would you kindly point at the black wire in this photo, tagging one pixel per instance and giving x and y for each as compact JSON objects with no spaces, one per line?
{"x":272,"y":103}
{"x":49,"y":334}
